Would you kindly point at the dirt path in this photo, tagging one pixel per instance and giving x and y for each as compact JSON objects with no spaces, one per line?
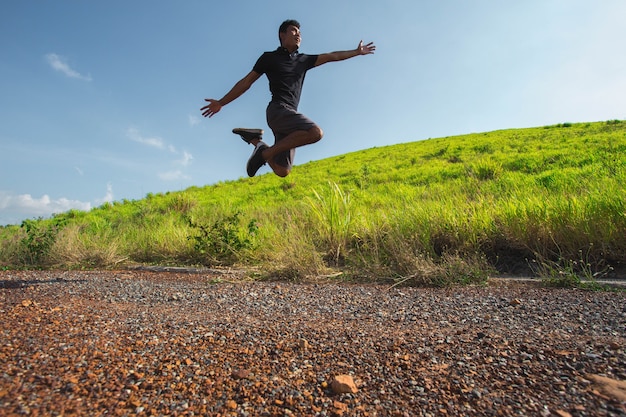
{"x":145,"y":343}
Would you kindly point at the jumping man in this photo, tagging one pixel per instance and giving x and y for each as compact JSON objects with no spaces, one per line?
{"x":285,"y":69}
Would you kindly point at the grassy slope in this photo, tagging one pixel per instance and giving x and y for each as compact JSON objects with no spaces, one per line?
{"x":552,"y":193}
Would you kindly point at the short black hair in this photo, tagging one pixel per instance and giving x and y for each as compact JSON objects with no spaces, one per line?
{"x":283,"y":26}
{"x":290,"y":22}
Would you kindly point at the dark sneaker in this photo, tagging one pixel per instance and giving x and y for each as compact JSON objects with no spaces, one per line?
{"x":256,"y":161}
{"x":248,"y":135}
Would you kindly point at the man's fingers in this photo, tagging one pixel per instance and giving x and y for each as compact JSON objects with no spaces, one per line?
{"x":212,"y":108}
{"x":366,"y":49}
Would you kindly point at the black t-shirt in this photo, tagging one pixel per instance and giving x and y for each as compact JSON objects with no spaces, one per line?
{"x":285,"y":73}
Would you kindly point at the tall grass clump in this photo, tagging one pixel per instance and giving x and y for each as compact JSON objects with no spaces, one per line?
{"x":416,"y":246}
{"x":290,"y":252}
{"x":332,"y":211}
{"x":76,"y":249}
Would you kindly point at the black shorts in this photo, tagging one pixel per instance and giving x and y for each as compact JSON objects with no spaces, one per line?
{"x":283,"y":121}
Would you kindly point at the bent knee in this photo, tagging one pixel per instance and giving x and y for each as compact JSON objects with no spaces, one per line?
{"x":282,"y":173}
{"x":316,"y":134}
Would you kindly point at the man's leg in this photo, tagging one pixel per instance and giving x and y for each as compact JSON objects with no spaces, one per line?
{"x":292,"y":141}
{"x":291,"y":130}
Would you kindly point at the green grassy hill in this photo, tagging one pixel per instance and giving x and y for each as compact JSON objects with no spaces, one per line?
{"x":435,"y":211}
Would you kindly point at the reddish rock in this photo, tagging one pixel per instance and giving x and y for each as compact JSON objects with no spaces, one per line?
{"x":343,"y":384}
{"x":610,"y":387}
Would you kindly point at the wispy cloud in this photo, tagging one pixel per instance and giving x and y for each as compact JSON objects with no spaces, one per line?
{"x":173,"y":176}
{"x":58,"y":63}
{"x":184,"y":157}
{"x":108,"y":197}
{"x":193,"y":120}
{"x":134,"y":135}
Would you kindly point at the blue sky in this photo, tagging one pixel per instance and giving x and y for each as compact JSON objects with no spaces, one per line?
{"x":100,"y":100}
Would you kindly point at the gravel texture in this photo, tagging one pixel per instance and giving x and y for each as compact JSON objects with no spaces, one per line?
{"x":170,"y":343}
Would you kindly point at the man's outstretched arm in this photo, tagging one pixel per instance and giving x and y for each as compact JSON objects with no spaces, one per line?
{"x":341,"y":55}
{"x":238,"y":89}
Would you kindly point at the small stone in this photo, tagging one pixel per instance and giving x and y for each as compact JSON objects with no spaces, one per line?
{"x":614,"y":346}
{"x":515,"y":302}
{"x":241,"y":374}
{"x":231,"y":404}
{"x":339,"y":408}
{"x":343,"y":384}
{"x":303,"y":344}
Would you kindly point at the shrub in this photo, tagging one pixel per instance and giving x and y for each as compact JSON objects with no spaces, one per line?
{"x":222,"y":241}
{"x":39,"y":239}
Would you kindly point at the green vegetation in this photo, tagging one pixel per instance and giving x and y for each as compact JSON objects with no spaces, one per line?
{"x":433,"y":212}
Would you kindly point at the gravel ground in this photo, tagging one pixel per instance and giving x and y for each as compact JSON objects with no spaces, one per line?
{"x":169,"y":343}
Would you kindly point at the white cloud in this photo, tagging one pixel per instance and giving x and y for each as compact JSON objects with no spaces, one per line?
{"x":134,"y":135}
{"x":59,"y":64}
{"x":25,"y":206}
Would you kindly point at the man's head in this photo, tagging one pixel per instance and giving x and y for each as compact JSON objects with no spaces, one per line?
{"x":289,"y":34}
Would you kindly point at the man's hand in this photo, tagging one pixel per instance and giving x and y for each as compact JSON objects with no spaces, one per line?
{"x":212,"y":108}
{"x":366,"y":49}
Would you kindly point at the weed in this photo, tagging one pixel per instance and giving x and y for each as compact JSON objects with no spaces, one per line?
{"x":181,"y":203}
{"x":365,"y":176}
{"x":571,"y":273}
{"x":484,"y":148}
{"x":485,"y":170}
{"x":451,"y":269}
{"x":222,"y":241}
{"x":287,"y":185}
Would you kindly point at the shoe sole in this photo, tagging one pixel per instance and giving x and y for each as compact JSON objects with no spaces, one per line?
{"x":248,"y":135}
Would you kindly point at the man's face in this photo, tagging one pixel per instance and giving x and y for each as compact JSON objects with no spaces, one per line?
{"x":291,"y":38}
